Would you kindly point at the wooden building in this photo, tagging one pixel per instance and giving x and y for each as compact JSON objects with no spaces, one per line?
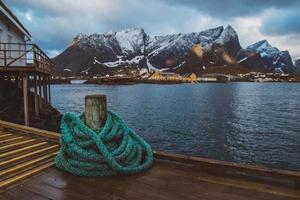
{"x":191,"y":77}
{"x":22,"y":63}
{"x":214,"y":77}
{"x":161,"y":76}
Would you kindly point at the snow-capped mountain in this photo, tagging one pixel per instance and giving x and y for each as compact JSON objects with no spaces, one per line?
{"x":273,"y":58}
{"x":190,"y":52}
{"x":297,"y":66}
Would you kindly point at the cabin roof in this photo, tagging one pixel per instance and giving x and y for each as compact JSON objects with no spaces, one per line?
{"x":9,"y":14}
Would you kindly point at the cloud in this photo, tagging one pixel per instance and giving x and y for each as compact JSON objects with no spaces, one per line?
{"x":54,"y":23}
{"x":282,"y":22}
{"x":233,"y":8}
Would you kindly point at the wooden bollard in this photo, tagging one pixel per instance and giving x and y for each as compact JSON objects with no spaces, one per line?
{"x":95,"y":111}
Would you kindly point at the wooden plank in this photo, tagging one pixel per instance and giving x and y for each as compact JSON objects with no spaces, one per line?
{"x":36,"y":99}
{"x":21,"y":177}
{"x":25,"y":99}
{"x":5,"y":135}
{"x":161,"y":182}
{"x":209,"y":163}
{"x":24,"y":149}
{"x":46,"y":134}
{"x":11,"y":139}
{"x":27,"y":69}
{"x":23,"y":195}
{"x":26,"y":164}
{"x":16,"y":144}
{"x":41,"y":151}
{"x":49,"y":90}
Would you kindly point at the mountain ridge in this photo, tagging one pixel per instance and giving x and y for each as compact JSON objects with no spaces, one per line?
{"x":182,"y":53}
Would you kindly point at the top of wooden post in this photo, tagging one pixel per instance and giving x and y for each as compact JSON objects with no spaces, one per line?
{"x":95,"y":111}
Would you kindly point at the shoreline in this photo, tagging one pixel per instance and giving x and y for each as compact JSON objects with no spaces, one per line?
{"x":128,"y":81}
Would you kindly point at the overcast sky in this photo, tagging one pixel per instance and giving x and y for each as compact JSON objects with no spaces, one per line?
{"x":54,"y":23}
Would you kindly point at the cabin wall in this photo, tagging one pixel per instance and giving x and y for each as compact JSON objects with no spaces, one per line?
{"x":9,"y":33}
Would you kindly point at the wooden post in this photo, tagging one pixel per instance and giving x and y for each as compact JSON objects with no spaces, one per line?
{"x":40,"y":93}
{"x":36,"y":99}
{"x":297,"y":183}
{"x":25,"y":98}
{"x":1,"y":87}
{"x":95,"y":111}
{"x":49,"y":90}
{"x":45,"y":89}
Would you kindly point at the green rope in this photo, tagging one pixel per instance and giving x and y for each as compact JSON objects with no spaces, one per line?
{"x":113,"y":150}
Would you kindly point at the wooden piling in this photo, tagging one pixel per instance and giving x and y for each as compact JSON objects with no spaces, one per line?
{"x":36,"y":99}
{"x":95,"y":111}
{"x":1,"y":87}
{"x":49,"y":91}
{"x":25,"y":98}
{"x":40,"y":93}
{"x":45,"y":89}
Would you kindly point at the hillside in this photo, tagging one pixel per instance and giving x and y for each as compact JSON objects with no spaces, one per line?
{"x":181,"y":53}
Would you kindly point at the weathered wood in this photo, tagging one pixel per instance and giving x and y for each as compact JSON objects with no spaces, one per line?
{"x":95,"y":111}
{"x":1,"y":87}
{"x":25,"y":175}
{"x":209,"y":165}
{"x":33,"y":147}
{"x":36,"y":99}
{"x":15,"y":145}
{"x":45,"y":89}
{"x":25,"y":99}
{"x":11,"y":140}
{"x":5,"y":135}
{"x":164,"y":181}
{"x":35,"y":131}
{"x":29,"y":163}
{"x":40,"y":82}
{"x":30,"y":155}
{"x":49,"y":90}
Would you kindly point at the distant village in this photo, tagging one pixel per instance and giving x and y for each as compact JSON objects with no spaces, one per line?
{"x":134,"y":75}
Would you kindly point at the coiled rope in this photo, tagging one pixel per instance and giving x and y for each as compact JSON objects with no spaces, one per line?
{"x":113,"y":150}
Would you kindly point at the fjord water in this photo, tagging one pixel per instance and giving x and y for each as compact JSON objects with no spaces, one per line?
{"x":253,"y":123}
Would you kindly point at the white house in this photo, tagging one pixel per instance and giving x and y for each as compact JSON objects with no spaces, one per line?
{"x":13,"y":38}
{"x":21,"y":61}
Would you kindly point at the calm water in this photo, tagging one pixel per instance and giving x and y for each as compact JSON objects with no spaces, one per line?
{"x":257,"y":123}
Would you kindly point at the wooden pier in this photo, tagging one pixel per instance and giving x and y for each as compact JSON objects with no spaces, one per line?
{"x":28,"y":172}
{"x":29,"y":69}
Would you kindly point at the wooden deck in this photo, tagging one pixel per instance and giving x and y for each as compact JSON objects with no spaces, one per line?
{"x":171,"y":177}
{"x":24,"y":58}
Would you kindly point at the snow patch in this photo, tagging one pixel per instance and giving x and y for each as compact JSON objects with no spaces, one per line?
{"x":242,"y":60}
{"x":151,"y":67}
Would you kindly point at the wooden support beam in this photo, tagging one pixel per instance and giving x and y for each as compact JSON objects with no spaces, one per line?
{"x":45,"y":89}
{"x":25,"y":99}
{"x":95,"y":111}
{"x":36,"y":99}
{"x":40,"y":93}
{"x":49,"y":90}
{"x":1,"y":87}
